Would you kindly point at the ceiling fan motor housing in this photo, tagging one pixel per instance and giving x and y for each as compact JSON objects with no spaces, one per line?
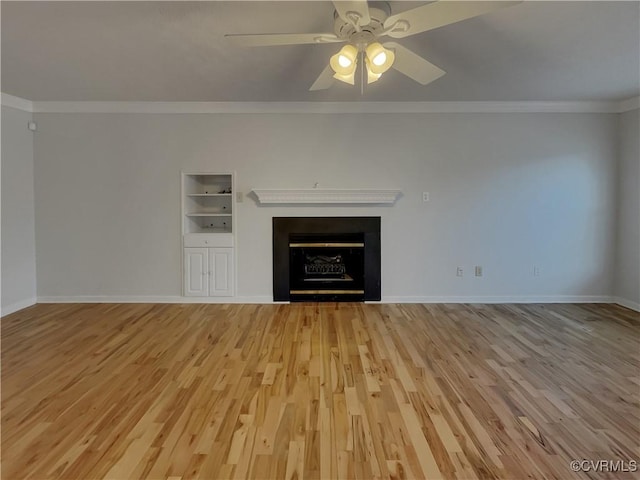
{"x":368,"y":33}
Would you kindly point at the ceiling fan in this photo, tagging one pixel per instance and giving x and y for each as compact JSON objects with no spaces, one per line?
{"x":361,"y":26}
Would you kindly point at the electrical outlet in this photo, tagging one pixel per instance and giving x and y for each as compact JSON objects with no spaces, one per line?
{"x":459,"y":272}
{"x":239,"y":197}
{"x":478,"y":271}
{"x":536,"y":271}
{"x":425,"y":196}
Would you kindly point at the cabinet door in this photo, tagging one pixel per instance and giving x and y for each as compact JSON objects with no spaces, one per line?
{"x":221,"y":272}
{"x":196,"y":278}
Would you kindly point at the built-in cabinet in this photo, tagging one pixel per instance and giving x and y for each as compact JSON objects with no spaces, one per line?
{"x":208,"y":234}
{"x":208,"y":272}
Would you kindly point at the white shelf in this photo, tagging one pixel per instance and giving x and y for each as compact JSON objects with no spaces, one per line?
{"x":208,"y":215}
{"x":205,"y":208}
{"x":214,"y":230}
{"x":209,"y":237}
{"x":327,"y":196}
{"x":209,"y":194}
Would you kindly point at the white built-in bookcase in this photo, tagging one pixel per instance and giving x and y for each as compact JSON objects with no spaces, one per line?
{"x":207,"y":203}
{"x":208,"y":234}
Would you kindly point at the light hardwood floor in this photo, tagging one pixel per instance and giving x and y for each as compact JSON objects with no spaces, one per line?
{"x":126,"y":391}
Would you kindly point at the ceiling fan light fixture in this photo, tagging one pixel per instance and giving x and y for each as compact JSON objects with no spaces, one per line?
{"x":358,"y":24}
{"x":344,"y":62}
{"x":348,"y":78}
{"x":371,"y":77}
{"x":380,"y":58}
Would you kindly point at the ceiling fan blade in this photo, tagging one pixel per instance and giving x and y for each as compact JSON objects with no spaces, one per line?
{"x":413,"y":65}
{"x":355,"y":12}
{"x":324,"y":81}
{"x":437,"y":14}
{"x":270,"y":39}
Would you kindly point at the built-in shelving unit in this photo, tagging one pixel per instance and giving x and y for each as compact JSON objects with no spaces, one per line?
{"x":207,"y":203}
{"x":207,"y":234}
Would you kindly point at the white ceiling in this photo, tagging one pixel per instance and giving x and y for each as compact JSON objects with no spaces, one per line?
{"x":176,"y":51}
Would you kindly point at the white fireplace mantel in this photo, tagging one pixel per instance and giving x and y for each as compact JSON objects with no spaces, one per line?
{"x":326,"y":196}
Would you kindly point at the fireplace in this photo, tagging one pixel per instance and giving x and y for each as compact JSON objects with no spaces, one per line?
{"x":326,"y":258}
{"x":326,"y":267}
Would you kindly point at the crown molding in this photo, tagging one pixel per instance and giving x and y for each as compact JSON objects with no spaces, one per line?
{"x":17,"y":102}
{"x":325,"y":107}
{"x":321,"y":196}
{"x":629,"y":104}
{"x":321,"y":107}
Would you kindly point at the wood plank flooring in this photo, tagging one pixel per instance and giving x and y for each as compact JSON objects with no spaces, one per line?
{"x":331,"y":391}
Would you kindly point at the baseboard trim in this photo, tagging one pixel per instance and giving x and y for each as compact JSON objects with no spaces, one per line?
{"x":14,"y":307}
{"x":627,"y":303}
{"x":387,"y":299}
{"x":501,"y":299}
{"x":151,"y":299}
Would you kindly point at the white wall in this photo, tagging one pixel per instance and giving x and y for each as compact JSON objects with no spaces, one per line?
{"x":627,"y":281}
{"x":508,"y":192}
{"x":18,"y":236}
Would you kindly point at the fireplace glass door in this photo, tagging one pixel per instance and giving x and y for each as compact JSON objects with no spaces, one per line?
{"x":326,"y":267}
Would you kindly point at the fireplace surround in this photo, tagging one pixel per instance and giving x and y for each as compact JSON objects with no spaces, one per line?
{"x":326,"y":259}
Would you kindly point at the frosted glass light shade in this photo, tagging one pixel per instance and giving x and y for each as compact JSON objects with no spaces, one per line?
{"x":348,"y":78}
{"x":380,"y":58}
{"x":344,"y":62}
{"x":371,"y":77}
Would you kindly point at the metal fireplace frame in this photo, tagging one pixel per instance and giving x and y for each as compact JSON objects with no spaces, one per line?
{"x":284,"y":227}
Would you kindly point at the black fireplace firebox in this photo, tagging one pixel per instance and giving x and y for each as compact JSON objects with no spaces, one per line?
{"x":326,"y":259}
{"x":326,"y":267}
